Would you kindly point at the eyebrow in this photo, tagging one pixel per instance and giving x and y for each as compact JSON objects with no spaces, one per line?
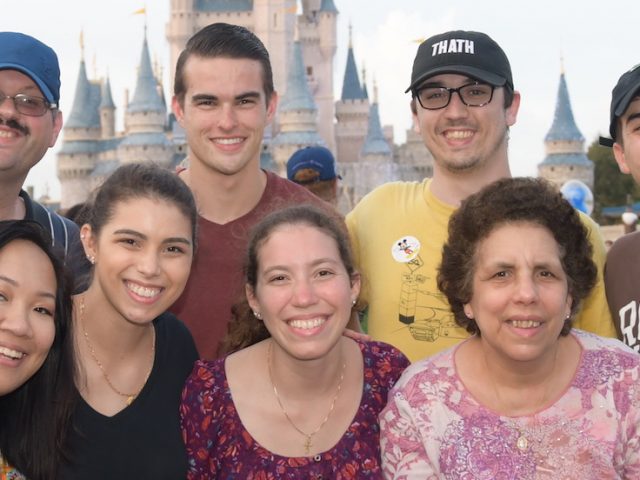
{"x":207,"y":96}
{"x":12,"y":282}
{"x":142,"y":236}
{"x":315,"y":263}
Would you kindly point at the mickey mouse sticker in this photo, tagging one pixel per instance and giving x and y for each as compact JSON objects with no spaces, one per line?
{"x":405,"y":249}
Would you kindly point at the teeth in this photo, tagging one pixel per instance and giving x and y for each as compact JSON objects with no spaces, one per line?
{"x":228,"y":141}
{"x":307,"y":324}
{"x":143,"y":291}
{"x":525,"y":323}
{"x":7,"y":352}
{"x":7,"y":134}
{"x":458,"y":134}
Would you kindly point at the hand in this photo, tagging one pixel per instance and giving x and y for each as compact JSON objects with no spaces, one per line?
{"x":359,"y":336}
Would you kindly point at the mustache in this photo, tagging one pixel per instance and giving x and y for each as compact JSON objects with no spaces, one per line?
{"x":13,"y":123}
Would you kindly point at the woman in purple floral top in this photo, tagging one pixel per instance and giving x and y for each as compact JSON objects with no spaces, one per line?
{"x":301,"y":400}
{"x":525,"y":397}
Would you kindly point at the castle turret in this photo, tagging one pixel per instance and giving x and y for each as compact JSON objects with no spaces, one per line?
{"x":352,"y":112}
{"x":145,"y":119}
{"x":107,"y":111}
{"x":564,"y":145}
{"x":298,"y":115}
{"x":79,"y":151}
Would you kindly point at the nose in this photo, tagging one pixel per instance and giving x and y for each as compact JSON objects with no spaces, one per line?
{"x":456,"y":108}
{"x":14,"y":318}
{"x":526,"y":290}
{"x":304,"y":293}
{"x":7,"y":107}
{"x":149,"y":263}
{"x":228,"y":118}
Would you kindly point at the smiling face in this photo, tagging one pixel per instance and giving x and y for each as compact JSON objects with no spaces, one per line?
{"x":27,"y":309}
{"x":627,"y":151}
{"x":224,"y":113}
{"x":142,"y":257}
{"x":303,"y":291}
{"x":23,"y":139}
{"x":463,"y":138}
{"x":520,"y":296}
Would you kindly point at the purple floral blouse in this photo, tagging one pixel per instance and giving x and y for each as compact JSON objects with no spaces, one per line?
{"x":433,"y":428}
{"x":218,"y":445}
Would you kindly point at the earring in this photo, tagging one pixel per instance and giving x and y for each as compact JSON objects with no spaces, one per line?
{"x":91,"y":259}
{"x":568,"y":316}
{"x":468,"y":314}
{"x":353,"y":302}
{"x":258,"y":315}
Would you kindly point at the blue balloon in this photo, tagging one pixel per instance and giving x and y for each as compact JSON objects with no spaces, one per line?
{"x":578,"y":195}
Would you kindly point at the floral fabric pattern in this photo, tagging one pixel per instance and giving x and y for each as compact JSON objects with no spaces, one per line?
{"x":433,"y":428}
{"x":9,"y":473}
{"x":218,"y":445}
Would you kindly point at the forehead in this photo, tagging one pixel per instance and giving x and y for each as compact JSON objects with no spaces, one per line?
{"x":448,"y":80}
{"x":518,"y":238}
{"x":222,"y":74}
{"x":15,"y":80}
{"x":287,"y":242}
{"x":633,"y":108}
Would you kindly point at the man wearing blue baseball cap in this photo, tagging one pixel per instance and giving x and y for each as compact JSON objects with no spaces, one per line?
{"x":622,"y":271}
{"x":315,"y":169}
{"x":29,"y":125}
{"x":463,"y":103}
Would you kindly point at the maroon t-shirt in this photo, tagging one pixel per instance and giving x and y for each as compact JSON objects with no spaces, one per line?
{"x":216,"y":282}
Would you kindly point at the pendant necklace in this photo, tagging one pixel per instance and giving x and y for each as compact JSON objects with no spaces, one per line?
{"x":308,"y":436}
{"x":130,"y":397}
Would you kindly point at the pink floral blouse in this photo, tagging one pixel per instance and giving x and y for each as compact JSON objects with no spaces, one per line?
{"x":433,"y":428}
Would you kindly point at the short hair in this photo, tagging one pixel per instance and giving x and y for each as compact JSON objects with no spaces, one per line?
{"x":512,"y":201}
{"x":140,"y":180}
{"x":245,"y":329}
{"x":34,"y":418}
{"x":224,"y":40}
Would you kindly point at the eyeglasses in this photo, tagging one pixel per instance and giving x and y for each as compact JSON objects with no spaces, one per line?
{"x":472,"y":95}
{"x":28,"y":105}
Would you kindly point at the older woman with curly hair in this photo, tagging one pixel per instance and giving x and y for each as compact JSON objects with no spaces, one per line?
{"x":526,"y":396}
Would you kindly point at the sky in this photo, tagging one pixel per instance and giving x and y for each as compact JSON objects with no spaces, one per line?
{"x":595,"y":45}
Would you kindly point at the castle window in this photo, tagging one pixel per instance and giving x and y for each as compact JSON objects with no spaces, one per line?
{"x":275,"y":20}
{"x":310,"y":71}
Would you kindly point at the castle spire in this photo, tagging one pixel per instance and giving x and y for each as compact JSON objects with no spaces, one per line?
{"x":145,"y":96}
{"x":564,"y":126}
{"x":375,"y":143}
{"x":351,"y":88}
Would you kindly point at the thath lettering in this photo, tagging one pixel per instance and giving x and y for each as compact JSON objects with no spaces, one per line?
{"x":454,"y":45}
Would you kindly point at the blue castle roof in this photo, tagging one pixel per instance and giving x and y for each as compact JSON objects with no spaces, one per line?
{"x":351,"y":89}
{"x":223,"y":5}
{"x":567,"y":159}
{"x":375,"y":142}
{"x":146,"y":97}
{"x":298,"y":96}
{"x":106,"y":100}
{"x":328,"y":6}
{"x":84,"y":112}
{"x":564,"y":126}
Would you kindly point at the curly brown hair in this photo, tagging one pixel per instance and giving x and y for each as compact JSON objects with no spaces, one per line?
{"x":245,"y":329}
{"x":508,"y":201}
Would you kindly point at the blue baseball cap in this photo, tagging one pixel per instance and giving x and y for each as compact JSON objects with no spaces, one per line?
{"x":319,"y":159}
{"x":33,"y":58}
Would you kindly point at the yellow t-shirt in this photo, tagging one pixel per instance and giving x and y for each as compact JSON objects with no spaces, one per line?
{"x":397,"y":232}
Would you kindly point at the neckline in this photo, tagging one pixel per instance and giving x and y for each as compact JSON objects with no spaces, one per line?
{"x":550,"y":404}
{"x":255,"y":445}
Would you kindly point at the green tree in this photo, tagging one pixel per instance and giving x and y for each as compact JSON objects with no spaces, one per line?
{"x":610,"y":186}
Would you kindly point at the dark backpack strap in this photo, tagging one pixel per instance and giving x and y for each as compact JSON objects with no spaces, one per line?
{"x":54,"y":224}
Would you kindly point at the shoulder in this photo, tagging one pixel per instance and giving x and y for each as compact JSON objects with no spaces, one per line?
{"x":171,"y":332}
{"x":429,"y":371}
{"x":387,"y":199}
{"x":601,"y":353}
{"x":207,"y":377}
{"x":376,"y":354}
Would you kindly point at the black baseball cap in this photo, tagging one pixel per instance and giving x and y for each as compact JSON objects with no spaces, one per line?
{"x":627,"y":88}
{"x":469,"y":53}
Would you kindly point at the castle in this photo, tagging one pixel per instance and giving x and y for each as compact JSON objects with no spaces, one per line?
{"x":302,"y":47}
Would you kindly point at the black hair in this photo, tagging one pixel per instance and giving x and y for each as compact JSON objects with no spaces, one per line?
{"x":34,"y":417}
{"x":228,"y":41}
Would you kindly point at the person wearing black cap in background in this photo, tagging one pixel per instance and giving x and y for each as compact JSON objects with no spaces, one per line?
{"x":315,"y":169}
{"x":622,"y":270}
{"x":463,"y":103}
{"x":30,"y":121}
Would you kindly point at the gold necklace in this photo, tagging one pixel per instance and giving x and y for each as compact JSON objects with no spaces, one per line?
{"x":130,"y":397}
{"x":308,"y":436}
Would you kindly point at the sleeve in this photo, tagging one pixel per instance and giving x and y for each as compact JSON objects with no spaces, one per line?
{"x":402,"y":450}
{"x":198,"y":423}
{"x":594,"y":316}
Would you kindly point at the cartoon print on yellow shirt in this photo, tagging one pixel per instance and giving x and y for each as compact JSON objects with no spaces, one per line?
{"x":425,"y":322}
